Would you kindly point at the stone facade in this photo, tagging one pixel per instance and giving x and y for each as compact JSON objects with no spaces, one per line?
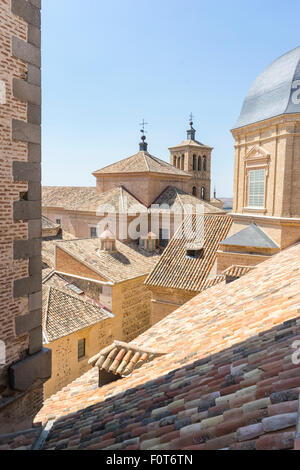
{"x":272,"y":145}
{"x":66,"y":366}
{"x":165,"y":301}
{"x":27,"y":365}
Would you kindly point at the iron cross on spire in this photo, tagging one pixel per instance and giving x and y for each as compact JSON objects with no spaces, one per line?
{"x":143,"y":124}
{"x":191,"y":117}
{"x":143,"y":144}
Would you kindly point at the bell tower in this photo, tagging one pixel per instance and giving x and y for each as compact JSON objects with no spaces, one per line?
{"x":194,"y":158}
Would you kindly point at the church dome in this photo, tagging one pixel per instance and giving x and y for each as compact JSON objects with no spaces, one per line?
{"x":275,"y":92}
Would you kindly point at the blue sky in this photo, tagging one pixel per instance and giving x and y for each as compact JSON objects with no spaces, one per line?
{"x":109,"y":64}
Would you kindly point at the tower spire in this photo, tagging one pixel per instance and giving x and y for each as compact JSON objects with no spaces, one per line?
{"x":191,"y":133}
{"x":143,"y":143}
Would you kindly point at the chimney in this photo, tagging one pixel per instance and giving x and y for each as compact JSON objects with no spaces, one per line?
{"x":108,"y":242}
{"x":148,"y":242}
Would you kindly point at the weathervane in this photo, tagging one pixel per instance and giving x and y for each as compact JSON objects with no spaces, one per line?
{"x":143,"y":144}
{"x":143,"y":124}
{"x":191,"y":119}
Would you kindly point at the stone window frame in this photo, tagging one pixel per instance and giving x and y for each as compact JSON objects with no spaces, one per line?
{"x":81,"y":349}
{"x":256,"y":159}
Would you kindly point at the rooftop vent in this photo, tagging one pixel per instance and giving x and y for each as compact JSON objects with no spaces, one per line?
{"x":108,"y":242}
{"x":148,"y":242}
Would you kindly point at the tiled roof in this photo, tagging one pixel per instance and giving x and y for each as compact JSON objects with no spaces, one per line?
{"x":128,"y":262}
{"x":238,"y":271}
{"x":122,"y":359}
{"x":48,"y":224}
{"x":141,"y":162}
{"x":48,"y":253}
{"x":190,"y":143}
{"x":175,"y":270}
{"x":46,"y":272}
{"x":23,"y":440}
{"x":213,"y":282}
{"x":65,"y":313}
{"x":175,"y":197}
{"x":227,"y":379}
{"x":58,"y":281}
{"x":86,"y":199}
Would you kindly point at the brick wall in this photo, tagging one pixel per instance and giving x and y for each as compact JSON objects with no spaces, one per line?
{"x":27,"y":364}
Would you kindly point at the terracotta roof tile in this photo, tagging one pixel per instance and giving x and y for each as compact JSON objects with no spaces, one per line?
{"x":175,"y":270}
{"x":185,"y":202}
{"x":141,"y":162}
{"x":23,"y":440}
{"x":87,"y":199}
{"x":128,"y":262}
{"x":64,"y":313}
{"x":237,"y":271}
{"x":226,"y":380}
{"x":122,"y":359}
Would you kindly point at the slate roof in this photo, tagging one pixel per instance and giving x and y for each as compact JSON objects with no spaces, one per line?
{"x":177,"y":198}
{"x":128,"y":262}
{"x":142,"y":162}
{"x":175,"y":270}
{"x":87,"y":199}
{"x":65,"y":313}
{"x":227,"y":380}
{"x":271,"y":94}
{"x":252,"y":236}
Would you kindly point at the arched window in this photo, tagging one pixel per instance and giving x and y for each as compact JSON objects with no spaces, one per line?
{"x":182,"y":162}
{"x":195,"y":191}
{"x":203,"y":192}
{"x":194,"y":163}
{"x":175,"y":161}
{"x":199,"y":163}
{"x":204,"y":163}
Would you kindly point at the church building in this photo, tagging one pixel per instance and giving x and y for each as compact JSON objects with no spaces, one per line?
{"x":133,"y":185}
{"x":266,"y":210}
